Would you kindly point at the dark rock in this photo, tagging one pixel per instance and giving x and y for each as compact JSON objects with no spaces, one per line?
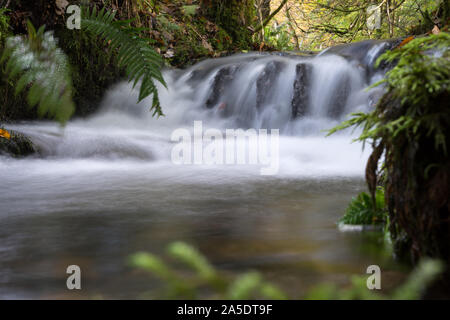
{"x":221,"y":81}
{"x":17,"y":146}
{"x":265,"y":81}
{"x":339,"y":97}
{"x":300,"y":100}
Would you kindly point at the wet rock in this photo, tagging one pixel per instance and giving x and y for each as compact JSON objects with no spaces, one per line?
{"x":300,"y":100}
{"x":17,"y":146}
{"x":265,"y":82}
{"x":221,"y":81}
{"x":340,"y":97}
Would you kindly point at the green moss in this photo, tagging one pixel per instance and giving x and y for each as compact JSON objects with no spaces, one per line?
{"x":9,"y":104}
{"x":4,"y":26}
{"x":94,"y":68}
{"x":234,"y":16}
{"x":17,"y":146}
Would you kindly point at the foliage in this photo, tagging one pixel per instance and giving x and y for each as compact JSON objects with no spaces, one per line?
{"x":4,"y":25}
{"x":323,"y":23}
{"x":190,"y":10}
{"x":141,"y":62}
{"x":234,"y":16}
{"x":278,"y":37}
{"x":419,"y":76}
{"x":421,"y":277}
{"x":416,"y":80}
{"x":361,"y":209}
{"x":44,"y":68}
{"x":410,"y":127}
{"x":15,"y":144}
{"x":202,"y":278}
{"x":94,"y":68}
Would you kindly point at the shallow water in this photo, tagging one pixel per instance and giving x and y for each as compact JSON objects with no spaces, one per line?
{"x":282,"y":227}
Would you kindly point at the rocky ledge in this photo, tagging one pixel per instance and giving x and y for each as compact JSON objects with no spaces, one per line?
{"x":16,"y":145}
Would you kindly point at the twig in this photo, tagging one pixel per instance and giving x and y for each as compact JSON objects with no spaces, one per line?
{"x":270,"y":17}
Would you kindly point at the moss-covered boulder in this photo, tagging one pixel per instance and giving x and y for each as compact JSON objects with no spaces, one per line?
{"x":17,"y":145}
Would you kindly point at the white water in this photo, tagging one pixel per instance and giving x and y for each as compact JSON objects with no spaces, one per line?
{"x":123,"y":134}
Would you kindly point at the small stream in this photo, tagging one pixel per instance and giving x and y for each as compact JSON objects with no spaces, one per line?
{"x":105,"y":187}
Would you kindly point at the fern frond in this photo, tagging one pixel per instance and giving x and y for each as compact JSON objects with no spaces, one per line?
{"x":142,"y":64}
{"x":42,"y":67}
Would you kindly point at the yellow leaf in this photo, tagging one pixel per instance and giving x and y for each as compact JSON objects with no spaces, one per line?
{"x":409,"y":39}
{"x":435,"y":30}
{"x":5,"y":134}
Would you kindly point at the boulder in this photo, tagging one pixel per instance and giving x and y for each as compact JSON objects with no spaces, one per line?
{"x":18,"y":145}
{"x":300,"y":100}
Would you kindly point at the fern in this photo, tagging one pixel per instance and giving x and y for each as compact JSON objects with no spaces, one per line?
{"x":40,"y":65}
{"x":362,"y":211}
{"x":142,"y":64}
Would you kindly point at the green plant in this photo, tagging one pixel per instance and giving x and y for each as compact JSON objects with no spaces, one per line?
{"x":278,"y":37}
{"x":422,"y":276}
{"x":202,"y":279}
{"x":44,"y":67}
{"x":40,"y":65}
{"x":4,"y":25}
{"x":418,"y":77}
{"x":410,"y":127}
{"x":142,"y":64}
{"x":361,"y":209}
{"x":190,"y":10}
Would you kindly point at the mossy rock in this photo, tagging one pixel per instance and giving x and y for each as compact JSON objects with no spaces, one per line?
{"x":17,"y":146}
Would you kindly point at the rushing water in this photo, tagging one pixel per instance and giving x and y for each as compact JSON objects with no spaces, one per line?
{"x":105,"y":187}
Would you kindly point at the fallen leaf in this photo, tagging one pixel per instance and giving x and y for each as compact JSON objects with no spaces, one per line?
{"x":405,"y":41}
{"x":5,"y":134}
{"x":436,"y":30}
{"x":61,"y":6}
{"x":169,"y":54}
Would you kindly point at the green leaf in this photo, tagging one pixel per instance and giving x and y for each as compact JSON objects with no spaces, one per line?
{"x":142,"y":63}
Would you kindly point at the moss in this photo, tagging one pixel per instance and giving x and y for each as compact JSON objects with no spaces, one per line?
{"x":233,"y":16}
{"x":94,"y":68}
{"x":10,"y":105}
{"x":17,"y":146}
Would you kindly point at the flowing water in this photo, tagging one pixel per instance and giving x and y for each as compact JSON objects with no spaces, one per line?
{"x":105,"y":187}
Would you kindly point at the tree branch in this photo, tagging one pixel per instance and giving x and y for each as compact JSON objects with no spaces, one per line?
{"x":265,"y":22}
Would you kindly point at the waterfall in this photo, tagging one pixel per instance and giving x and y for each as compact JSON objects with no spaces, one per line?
{"x":302,"y":96}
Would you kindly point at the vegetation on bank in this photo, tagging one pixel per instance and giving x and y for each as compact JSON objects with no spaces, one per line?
{"x":192,"y":276}
{"x":15,"y":144}
{"x":410,"y":128}
{"x":318,"y":24}
{"x":362,"y":210}
{"x":184,"y":31}
{"x":36,"y":62}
